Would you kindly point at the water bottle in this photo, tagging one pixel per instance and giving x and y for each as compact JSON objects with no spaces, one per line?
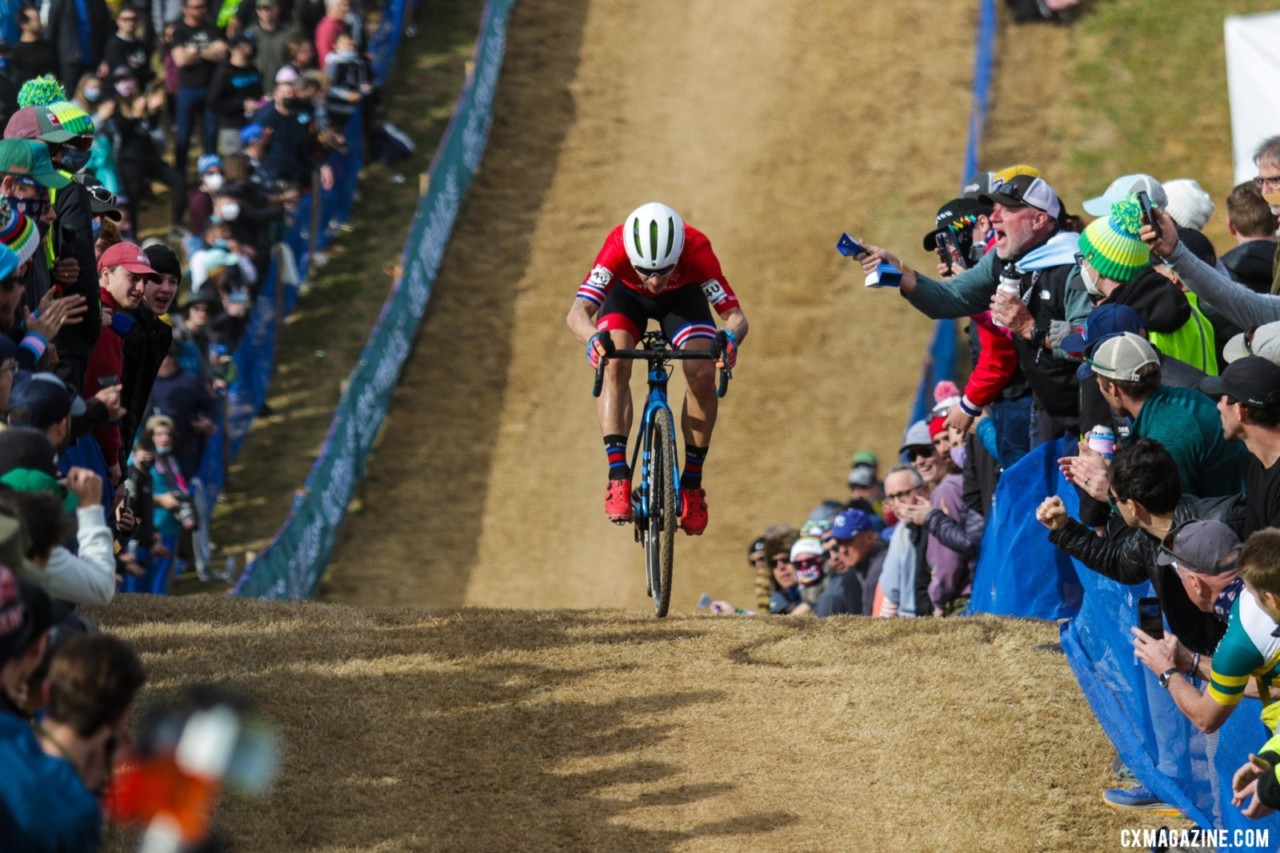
{"x":1103,"y":440}
{"x":1010,"y":283}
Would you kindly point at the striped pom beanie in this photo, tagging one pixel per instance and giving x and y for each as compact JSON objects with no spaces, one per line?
{"x":1111,"y":244}
{"x":40,"y":92}
{"x":18,"y":233}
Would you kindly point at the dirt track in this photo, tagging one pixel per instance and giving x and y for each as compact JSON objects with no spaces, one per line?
{"x":769,"y":129}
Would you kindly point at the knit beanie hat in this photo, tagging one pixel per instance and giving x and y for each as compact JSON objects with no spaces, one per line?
{"x":1111,"y":244}
{"x":1189,"y":205}
{"x":18,"y":233}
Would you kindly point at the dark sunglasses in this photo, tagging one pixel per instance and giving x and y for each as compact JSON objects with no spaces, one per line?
{"x":894,"y":496}
{"x":914,"y":453}
{"x":101,"y":194}
{"x":646,"y":272}
{"x":779,"y":560}
{"x":808,"y":561}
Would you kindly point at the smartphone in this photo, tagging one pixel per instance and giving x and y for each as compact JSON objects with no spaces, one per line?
{"x":107,"y":381}
{"x":1150,"y":619}
{"x":849,"y":247}
{"x":948,"y":250}
{"x":1148,"y":212}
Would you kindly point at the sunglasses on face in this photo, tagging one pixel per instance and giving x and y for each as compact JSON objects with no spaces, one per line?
{"x":646,"y":272}
{"x":897,"y":496}
{"x":808,"y":562}
{"x":922,"y":452}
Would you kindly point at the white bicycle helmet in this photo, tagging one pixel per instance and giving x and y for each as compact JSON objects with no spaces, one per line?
{"x":654,"y":236}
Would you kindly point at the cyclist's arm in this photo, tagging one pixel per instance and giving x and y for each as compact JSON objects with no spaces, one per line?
{"x":736,"y":322}
{"x":582,"y":319}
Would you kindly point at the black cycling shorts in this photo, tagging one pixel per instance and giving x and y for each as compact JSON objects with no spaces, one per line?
{"x":683,"y":313}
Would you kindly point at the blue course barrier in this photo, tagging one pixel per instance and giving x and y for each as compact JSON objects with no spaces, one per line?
{"x":1157,"y":742}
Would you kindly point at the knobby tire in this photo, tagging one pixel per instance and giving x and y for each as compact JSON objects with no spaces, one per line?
{"x":663,"y":519}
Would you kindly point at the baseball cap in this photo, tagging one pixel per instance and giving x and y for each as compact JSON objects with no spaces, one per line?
{"x":250,"y":134}
{"x":102,"y":201}
{"x":1201,"y":546}
{"x":958,"y":211}
{"x":41,"y":400}
{"x":864,"y":457}
{"x":917,"y":435}
{"x":1252,"y":380}
{"x":26,"y":158}
{"x":207,"y":162}
{"x":38,"y":123}
{"x":1122,"y":187}
{"x":1121,"y":356}
{"x":849,"y":524}
{"x":26,"y":448}
{"x":978,"y":184}
{"x":1024,"y":191}
{"x":1104,"y":321}
{"x":862,"y":476}
{"x":127,"y":255}
{"x":1261,"y":341}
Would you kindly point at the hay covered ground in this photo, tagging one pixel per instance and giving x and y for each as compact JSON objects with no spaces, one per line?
{"x":413,"y":724}
{"x":489,"y":729}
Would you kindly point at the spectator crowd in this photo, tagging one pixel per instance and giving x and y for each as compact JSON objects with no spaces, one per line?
{"x":116,"y":351}
{"x":1157,"y":358}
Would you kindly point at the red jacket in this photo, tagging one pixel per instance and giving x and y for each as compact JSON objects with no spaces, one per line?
{"x":106,"y":365}
{"x":997,"y":362}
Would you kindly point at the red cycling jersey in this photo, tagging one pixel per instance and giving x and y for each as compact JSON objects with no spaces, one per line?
{"x":698,"y":265}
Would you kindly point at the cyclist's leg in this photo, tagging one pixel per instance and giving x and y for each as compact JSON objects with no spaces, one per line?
{"x":623,"y":317}
{"x":688,"y":325}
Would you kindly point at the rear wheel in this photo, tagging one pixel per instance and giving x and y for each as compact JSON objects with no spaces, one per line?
{"x":660,"y":489}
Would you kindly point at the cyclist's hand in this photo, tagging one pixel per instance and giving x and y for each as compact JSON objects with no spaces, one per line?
{"x":596,"y":349}
{"x":728,"y":355}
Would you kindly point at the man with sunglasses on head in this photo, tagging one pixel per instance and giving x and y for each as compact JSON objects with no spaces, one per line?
{"x":655,"y":267}
{"x":1033,"y":259}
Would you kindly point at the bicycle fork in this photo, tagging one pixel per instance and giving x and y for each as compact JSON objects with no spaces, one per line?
{"x":657,"y":398}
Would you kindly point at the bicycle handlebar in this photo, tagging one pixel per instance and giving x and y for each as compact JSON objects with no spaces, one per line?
{"x":665,"y":355}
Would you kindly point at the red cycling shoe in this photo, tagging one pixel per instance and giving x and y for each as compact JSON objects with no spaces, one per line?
{"x":693,"y":513}
{"x":617,"y":501}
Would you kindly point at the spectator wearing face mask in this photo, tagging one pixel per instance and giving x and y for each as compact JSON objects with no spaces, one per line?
{"x":200,"y":199}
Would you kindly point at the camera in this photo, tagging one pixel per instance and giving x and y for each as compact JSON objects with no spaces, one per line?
{"x":186,"y":512}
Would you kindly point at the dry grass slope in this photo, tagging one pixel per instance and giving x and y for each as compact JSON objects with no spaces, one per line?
{"x":601,"y":730}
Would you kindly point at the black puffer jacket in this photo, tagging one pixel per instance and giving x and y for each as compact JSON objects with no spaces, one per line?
{"x":1128,"y":555}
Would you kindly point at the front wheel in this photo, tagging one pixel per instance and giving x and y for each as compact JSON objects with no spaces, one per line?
{"x":664,"y":520}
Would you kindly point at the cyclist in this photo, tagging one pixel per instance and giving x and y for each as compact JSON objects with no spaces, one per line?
{"x":653,"y":266}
